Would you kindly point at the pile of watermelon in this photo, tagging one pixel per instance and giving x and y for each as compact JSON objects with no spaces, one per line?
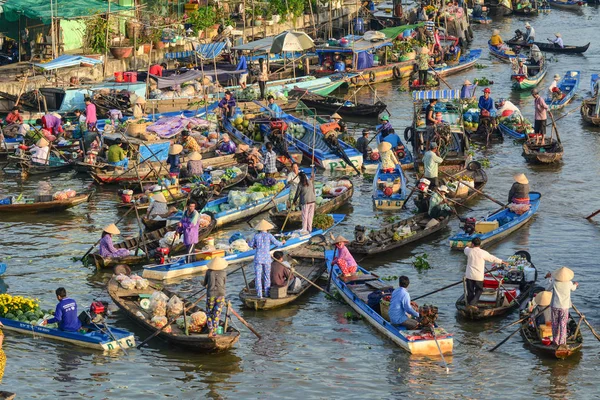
{"x":22,"y":309}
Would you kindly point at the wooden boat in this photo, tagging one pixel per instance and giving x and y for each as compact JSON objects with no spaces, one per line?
{"x":543,"y":154}
{"x":330,"y":105}
{"x":395,"y":235}
{"x":517,"y":284}
{"x":513,"y":133}
{"x":573,"y":5}
{"x":389,"y":189}
{"x":129,"y":302}
{"x":458,"y":191}
{"x":355,"y":290}
{"x":465,"y":62}
{"x":55,"y":164}
{"x":522,"y":82}
{"x":508,"y":222}
{"x":568,"y":85}
{"x":152,"y":243}
{"x":310,"y":267}
{"x":294,"y":218}
{"x":414,"y":83}
{"x":590,"y":112}
{"x":46,"y":204}
{"x":547,"y":47}
{"x":504,"y":55}
{"x":96,"y":338}
{"x":180,"y":267}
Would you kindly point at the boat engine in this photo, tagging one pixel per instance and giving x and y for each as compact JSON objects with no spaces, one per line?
{"x":428,"y":314}
{"x":469,"y":225}
{"x":160,"y":254}
{"x":98,"y":310}
{"x":359,"y":233}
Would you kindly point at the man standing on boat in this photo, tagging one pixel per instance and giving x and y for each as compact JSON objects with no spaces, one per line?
{"x":270,"y":161}
{"x":539,"y":126}
{"x":476,"y":258}
{"x":362,"y":144}
{"x":431,"y":160}
{"x":401,"y":307}
{"x":66,"y":313}
{"x":529,"y":33}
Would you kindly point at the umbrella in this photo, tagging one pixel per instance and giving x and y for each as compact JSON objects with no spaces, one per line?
{"x":291,"y":41}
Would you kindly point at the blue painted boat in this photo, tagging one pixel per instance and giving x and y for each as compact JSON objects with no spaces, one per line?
{"x":508,"y":222}
{"x":355,"y":290}
{"x":94,"y":339}
{"x":180,"y":267}
{"x":574,"y":5}
{"x":465,"y":62}
{"x":324,"y":156}
{"x":389,"y":189}
{"x":370,"y":166}
{"x":504,"y":55}
{"x":568,"y":85}
{"x":483,"y":20}
{"x":526,"y":82}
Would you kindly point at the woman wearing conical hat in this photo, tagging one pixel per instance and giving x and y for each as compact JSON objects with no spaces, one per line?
{"x":387,"y":157}
{"x":519,"y":191}
{"x":562,"y":286}
{"x":158,"y":206}
{"x":262,"y":242}
{"x":174,"y":160}
{"x":40,"y":151}
{"x":343,"y":258}
{"x":214,"y":281}
{"x":106,"y":247}
{"x":194,"y":164}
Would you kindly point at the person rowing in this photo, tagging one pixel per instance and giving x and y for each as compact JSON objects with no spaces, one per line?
{"x":402,"y":311}
{"x":474,"y":275}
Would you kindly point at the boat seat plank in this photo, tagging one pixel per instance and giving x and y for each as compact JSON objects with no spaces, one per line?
{"x":378,"y":285}
{"x":357,"y":278}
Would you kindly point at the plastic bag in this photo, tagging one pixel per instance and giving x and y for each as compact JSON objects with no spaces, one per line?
{"x":158,"y":304}
{"x":121,"y":277}
{"x":161,"y":321}
{"x":141,"y":284}
{"x":167,"y":240}
{"x":181,"y":324}
{"x":174,"y":307}
{"x":256,"y":196}
{"x":239,"y":246}
{"x":127,"y":284}
{"x":198,"y":318}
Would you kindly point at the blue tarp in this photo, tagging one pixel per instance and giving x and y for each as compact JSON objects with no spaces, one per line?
{"x":67,"y":60}
{"x":210,"y":50}
{"x":160,"y":150}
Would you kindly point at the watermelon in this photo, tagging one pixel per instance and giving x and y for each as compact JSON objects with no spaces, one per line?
{"x":39,"y":313}
{"x":10,"y":316}
{"x":33,"y":318}
{"x":23,"y":318}
{"x":19,"y":313}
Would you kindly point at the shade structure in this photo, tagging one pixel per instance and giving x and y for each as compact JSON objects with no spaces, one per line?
{"x":291,"y":41}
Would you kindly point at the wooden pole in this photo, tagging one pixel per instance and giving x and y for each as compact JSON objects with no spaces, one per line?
{"x":586,"y":322}
{"x":438,"y":290}
{"x":475,"y":190}
{"x":592,"y":215}
{"x":243,"y":321}
{"x":148,"y":75}
{"x":106,"y":40}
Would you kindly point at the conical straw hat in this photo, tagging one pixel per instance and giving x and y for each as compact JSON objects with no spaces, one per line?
{"x":112,"y":229}
{"x":384,"y":146}
{"x":217,"y":264}
{"x":175,"y":149}
{"x":159,"y":198}
{"x":264,"y":225}
{"x":341,"y":239}
{"x":43,"y":142}
{"x":521,"y":178}
{"x":563,"y":274}
{"x":543,"y":299}
{"x":195,"y":156}
{"x":336,"y":116}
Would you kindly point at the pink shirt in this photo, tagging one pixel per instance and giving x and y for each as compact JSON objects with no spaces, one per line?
{"x":540,"y":109}
{"x":90,"y":113}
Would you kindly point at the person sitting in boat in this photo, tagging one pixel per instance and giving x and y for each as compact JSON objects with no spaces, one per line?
{"x":496,"y":40}
{"x":486,"y":104}
{"x":14,"y":123}
{"x":94,"y":149}
{"x":281,"y":272}
{"x":227,"y":146}
{"x":557,"y":94}
{"x":402,"y":312}
{"x":40,"y":152}
{"x":542,"y":308}
{"x":387,"y":157}
{"x":274,"y":109}
{"x":174,"y":160}
{"x":342,"y":257}
{"x":452,"y":53}
{"x":65,"y":314}
{"x":392,"y":138}
{"x":188,"y":226}
{"x":214,"y":282}
{"x":139,"y":107}
{"x":270,"y":161}
{"x":194,"y":165}
{"x":519,"y":191}
{"x":554,"y":83}
{"x":467,"y":90}
{"x":157,"y":69}
{"x":362,"y":144}
{"x":536,"y":57}
{"x":189,"y":142}
{"x":386,"y":127}
{"x":116,"y":155}
{"x":51,"y":123}
{"x":474,"y":274}
{"x":506,"y":108}
{"x":430,"y":120}
{"x":562,"y":287}
{"x":106,"y":247}
{"x":477,"y":11}
{"x":158,"y":206}
{"x":431,"y":161}
{"x":262,"y":242}
{"x":558,"y":42}
{"x":438,"y":207}
{"x":227,"y":105}
{"x":529,"y":33}
{"x":337,"y":118}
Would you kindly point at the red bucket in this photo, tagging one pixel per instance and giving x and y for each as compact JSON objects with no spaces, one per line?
{"x":130,"y":77}
{"x":126,"y":198}
{"x":118,"y":76}
{"x":510,"y":295}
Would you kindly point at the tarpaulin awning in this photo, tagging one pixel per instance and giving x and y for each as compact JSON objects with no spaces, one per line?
{"x":67,"y":60}
{"x":174,"y":80}
{"x":179,"y":55}
{"x":357,"y":44}
{"x":436,"y":94}
{"x":210,"y":50}
{"x":261,"y":45}
{"x":171,"y":126}
{"x":14,"y":9}
{"x":160,"y":150}
{"x":393,"y":32}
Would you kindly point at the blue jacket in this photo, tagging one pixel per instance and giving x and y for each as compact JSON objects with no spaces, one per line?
{"x":400,"y":306}
{"x":486,"y":104}
{"x":243,"y":65}
{"x":66,"y":315}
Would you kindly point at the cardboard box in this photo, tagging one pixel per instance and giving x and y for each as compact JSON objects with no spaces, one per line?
{"x":486,"y":226}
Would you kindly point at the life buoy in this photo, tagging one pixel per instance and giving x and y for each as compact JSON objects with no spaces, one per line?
{"x":409,"y":133}
{"x":375,"y":156}
{"x":396,"y":71}
{"x":372,"y":76}
{"x":401,"y":154}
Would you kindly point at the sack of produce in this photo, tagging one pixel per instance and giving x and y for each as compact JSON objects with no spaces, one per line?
{"x":237,"y":198}
{"x":160,"y":322}
{"x":127,"y":284}
{"x":326,"y":190}
{"x":121,"y":277}
{"x":225,"y":207}
{"x":204,"y":220}
{"x":239,"y":246}
{"x":181,"y":324}
{"x":158,"y":303}
{"x":344,"y":182}
{"x":142,"y":284}
{"x":198,"y":318}
{"x":256,"y":196}
{"x":167,"y":240}
{"x":174,"y":307}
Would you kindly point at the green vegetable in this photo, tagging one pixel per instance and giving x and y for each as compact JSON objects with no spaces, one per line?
{"x":10,"y":316}
{"x":323,"y":221}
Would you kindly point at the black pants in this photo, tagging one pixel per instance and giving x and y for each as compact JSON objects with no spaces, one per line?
{"x":540,"y":126}
{"x":474,"y":290}
{"x":191,"y":257}
{"x":433,"y":182}
{"x":423,"y":77}
{"x":262,"y":85}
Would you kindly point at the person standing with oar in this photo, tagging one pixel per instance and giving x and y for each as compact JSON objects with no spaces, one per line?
{"x":214,"y":281}
{"x":476,"y":258}
{"x":562,"y":286}
{"x":431,"y":161}
{"x":262,"y":259}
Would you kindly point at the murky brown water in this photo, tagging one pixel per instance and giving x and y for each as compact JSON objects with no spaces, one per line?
{"x":309,"y":349}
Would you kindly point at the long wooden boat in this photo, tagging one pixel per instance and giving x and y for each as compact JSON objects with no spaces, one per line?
{"x":330,"y":105}
{"x":531,"y":336}
{"x":310,"y":267}
{"x":588,"y":111}
{"x":355,"y":291}
{"x":551,"y":48}
{"x":504,"y":55}
{"x":522,"y":82}
{"x":465,"y":62}
{"x":294,"y":218}
{"x":55,"y":164}
{"x":573,"y":5}
{"x":513,"y":133}
{"x":96,"y":338}
{"x":395,"y":235}
{"x":389,"y":189}
{"x":517,"y":286}
{"x":129,"y":302}
{"x":543,"y":154}
{"x":180,"y":267}
{"x":46,"y":204}
{"x":568,"y":85}
{"x":477,"y":175}
{"x":152,"y":243}
{"x":508,"y":222}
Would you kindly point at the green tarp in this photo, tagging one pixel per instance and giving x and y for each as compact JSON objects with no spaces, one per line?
{"x":392,"y":33}
{"x":63,"y":9}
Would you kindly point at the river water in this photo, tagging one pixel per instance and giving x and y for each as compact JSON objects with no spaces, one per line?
{"x":309,"y":349}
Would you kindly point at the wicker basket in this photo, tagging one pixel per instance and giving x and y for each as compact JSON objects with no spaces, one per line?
{"x":135,"y":129}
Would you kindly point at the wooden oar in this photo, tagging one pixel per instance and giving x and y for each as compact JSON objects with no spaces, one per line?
{"x":439,"y":348}
{"x":98,"y":241}
{"x":555,"y":128}
{"x":309,"y":281}
{"x":475,"y":190}
{"x":438,"y":290}
{"x":243,"y":321}
{"x":564,"y":115}
{"x":410,"y":194}
{"x":331,"y":270}
{"x":447,"y":198}
{"x":512,"y":334}
{"x":592,"y":215}
{"x":518,"y":321}
{"x":440,"y":77}
{"x":586,"y":322}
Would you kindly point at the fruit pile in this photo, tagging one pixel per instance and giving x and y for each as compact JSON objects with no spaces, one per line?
{"x":19,"y":308}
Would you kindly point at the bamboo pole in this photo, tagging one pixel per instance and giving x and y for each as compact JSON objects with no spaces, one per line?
{"x":106,"y":40}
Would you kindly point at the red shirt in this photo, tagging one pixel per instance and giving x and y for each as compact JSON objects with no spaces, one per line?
{"x":13,"y":118}
{"x":156,"y":69}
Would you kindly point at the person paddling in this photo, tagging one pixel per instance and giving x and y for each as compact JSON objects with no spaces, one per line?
{"x":215,"y":281}
{"x":562,"y":286}
{"x":476,"y":258}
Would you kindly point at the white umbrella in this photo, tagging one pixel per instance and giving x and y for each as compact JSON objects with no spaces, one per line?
{"x":291,"y":41}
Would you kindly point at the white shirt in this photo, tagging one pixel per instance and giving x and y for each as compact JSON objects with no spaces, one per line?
{"x":559,"y":42}
{"x":292,"y":180}
{"x":508,"y":106}
{"x":552,"y":86}
{"x":561,"y":294}
{"x":39,"y":154}
{"x":476,"y":258}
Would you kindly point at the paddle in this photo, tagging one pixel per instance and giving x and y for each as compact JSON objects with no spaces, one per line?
{"x":98,"y":241}
{"x":586,"y":322}
{"x":447,"y":198}
{"x":592,"y":215}
{"x":308,"y":281}
{"x":475,"y":190}
{"x":439,"y":348}
{"x":331,"y":270}
{"x":440,"y":77}
{"x":438,"y":290}
{"x":243,"y":321}
{"x":554,"y":127}
{"x":287,"y":217}
{"x":516,"y":322}
{"x":512,"y":334}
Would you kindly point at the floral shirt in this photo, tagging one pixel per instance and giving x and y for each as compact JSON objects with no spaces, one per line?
{"x":262,"y":243}
{"x":191,"y":144}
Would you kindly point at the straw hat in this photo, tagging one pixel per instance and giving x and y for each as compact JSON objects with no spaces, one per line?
{"x":384,"y":146}
{"x":43,"y":142}
{"x":195,"y":156}
{"x":112,"y":229}
{"x":443,"y":188}
{"x":557,"y":34}
{"x":527,"y":25}
{"x":557,"y":76}
{"x":336,"y":116}
{"x":264,"y":225}
{"x":175,"y":149}
{"x":543,"y":299}
{"x":495,"y":32}
{"x":140,"y":100}
{"x":217,"y":264}
{"x":159,"y":198}
{"x":521,"y":178}
{"x":563,"y":274}
{"x":341,"y":239}
{"x":467,"y":82}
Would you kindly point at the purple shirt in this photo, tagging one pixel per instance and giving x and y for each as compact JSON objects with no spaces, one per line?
{"x":227,"y":147}
{"x":344,"y":254}
{"x":189,"y":227}
{"x":66,"y":315}
{"x":540,"y":109}
{"x":106,"y":248}
{"x":262,"y":243}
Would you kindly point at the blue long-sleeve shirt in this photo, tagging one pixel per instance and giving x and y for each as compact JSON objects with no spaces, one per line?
{"x":242,"y":65}
{"x":486,"y":104}
{"x":66,"y":315}
{"x":275,"y":110}
{"x":400,"y":306}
